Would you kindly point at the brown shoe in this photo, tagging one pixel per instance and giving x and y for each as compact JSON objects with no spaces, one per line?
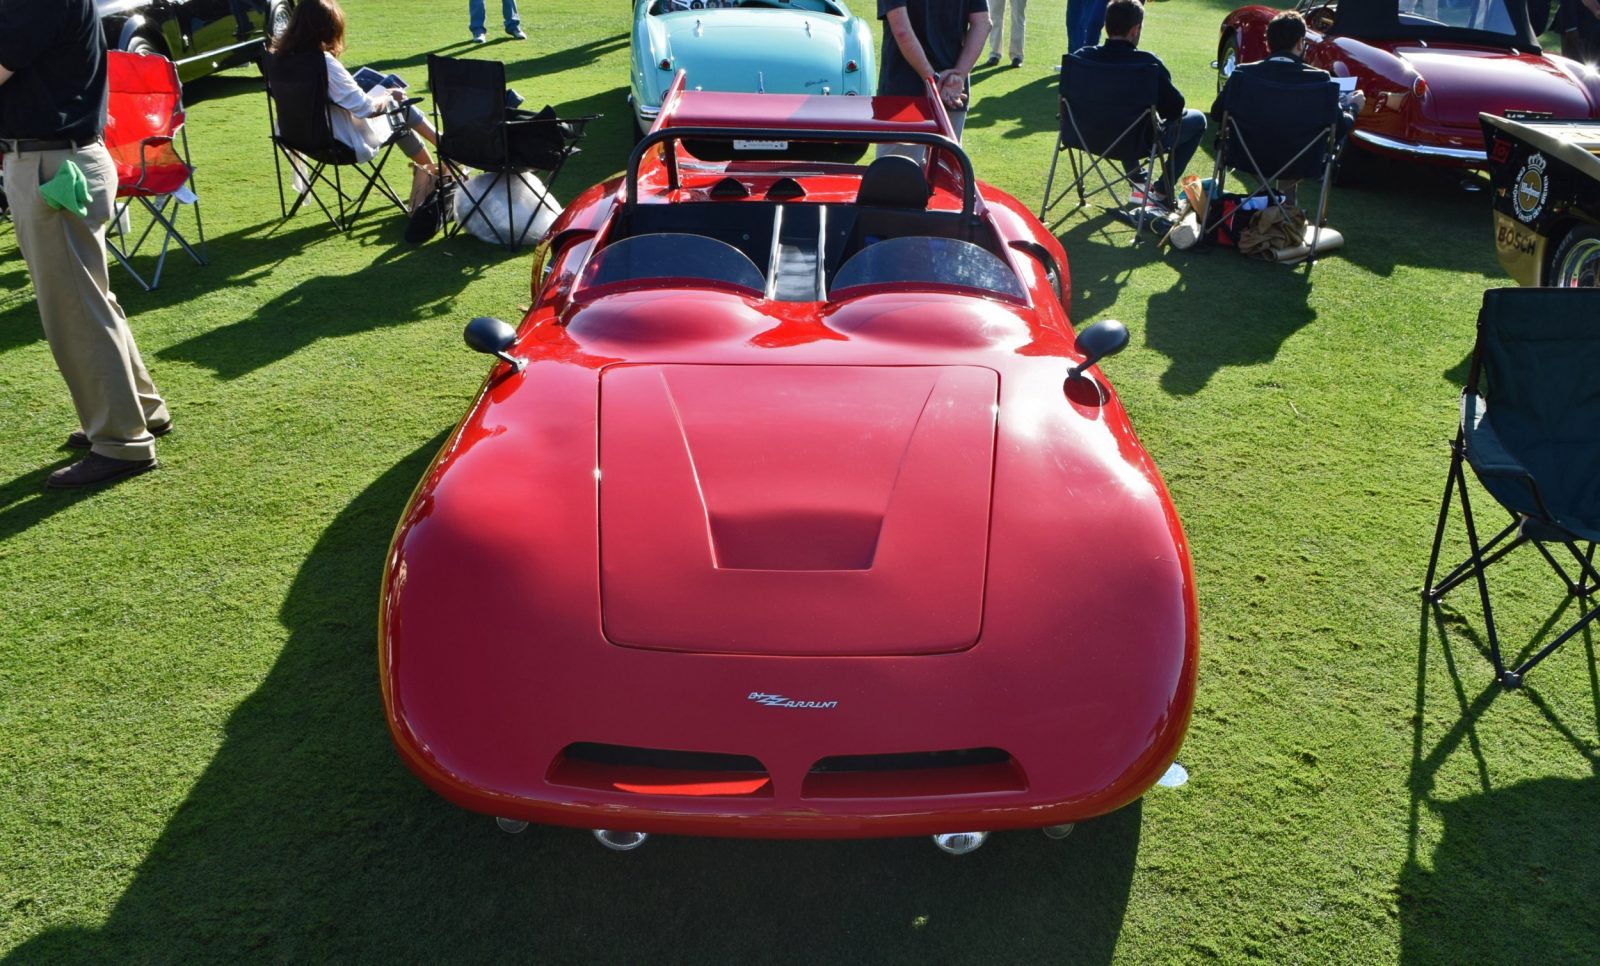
{"x":78,"y":439}
{"x":97,"y":470}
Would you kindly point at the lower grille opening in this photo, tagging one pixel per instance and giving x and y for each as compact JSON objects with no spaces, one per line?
{"x":919,"y":774}
{"x":657,"y":771}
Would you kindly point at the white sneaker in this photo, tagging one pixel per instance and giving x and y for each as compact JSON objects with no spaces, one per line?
{"x":480,"y":38}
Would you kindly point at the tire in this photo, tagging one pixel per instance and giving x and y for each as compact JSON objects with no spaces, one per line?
{"x":278,"y":19}
{"x":1227,"y":60}
{"x":1576,"y":263}
{"x":1352,"y":166}
{"x":143,"y":46}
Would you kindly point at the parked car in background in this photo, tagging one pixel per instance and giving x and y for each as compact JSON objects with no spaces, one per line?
{"x":759,"y":46}
{"x":1546,"y":179}
{"x":1428,"y":68}
{"x":200,"y":36}
{"x":796,"y":508}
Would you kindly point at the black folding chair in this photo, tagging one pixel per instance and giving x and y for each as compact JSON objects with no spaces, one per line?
{"x":1289,"y":130}
{"x":1107,"y":117}
{"x":1530,"y":430}
{"x":477,"y":129}
{"x":302,"y":133}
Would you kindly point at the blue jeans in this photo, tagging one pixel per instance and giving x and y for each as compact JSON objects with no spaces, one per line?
{"x":1085,"y":20}
{"x":507,"y":7}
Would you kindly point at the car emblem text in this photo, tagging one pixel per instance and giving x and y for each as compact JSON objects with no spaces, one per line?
{"x":781,"y":701}
{"x":1531,"y":189}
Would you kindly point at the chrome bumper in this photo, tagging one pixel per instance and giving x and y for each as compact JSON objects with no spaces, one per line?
{"x":1420,"y":150}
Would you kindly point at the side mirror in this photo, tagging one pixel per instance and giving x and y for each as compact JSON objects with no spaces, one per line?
{"x":1104,"y":338}
{"x":493,"y":337}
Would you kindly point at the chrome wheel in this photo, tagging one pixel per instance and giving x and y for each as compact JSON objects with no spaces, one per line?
{"x":1577,"y":263}
{"x":1228,"y":60}
{"x":278,"y":19}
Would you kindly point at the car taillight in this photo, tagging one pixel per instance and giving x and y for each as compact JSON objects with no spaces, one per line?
{"x":850,"y":67}
{"x":1419,"y":87}
{"x":666,"y":64}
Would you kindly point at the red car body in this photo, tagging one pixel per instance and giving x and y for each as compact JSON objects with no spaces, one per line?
{"x":722,"y":563}
{"x":1427,"y":78}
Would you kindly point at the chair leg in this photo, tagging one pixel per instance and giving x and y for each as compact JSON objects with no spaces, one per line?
{"x":1050,"y":179}
{"x":1500,"y":673}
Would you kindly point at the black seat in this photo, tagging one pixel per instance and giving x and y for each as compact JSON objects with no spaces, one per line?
{"x":1107,"y":115}
{"x":890,"y":200}
{"x":477,"y":130}
{"x":1530,"y":430}
{"x":302,"y":133}
{"x":1273,"y":131}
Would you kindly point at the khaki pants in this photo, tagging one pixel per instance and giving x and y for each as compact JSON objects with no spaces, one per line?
{"x":1019,"y":23}
{"x":87,"y":332}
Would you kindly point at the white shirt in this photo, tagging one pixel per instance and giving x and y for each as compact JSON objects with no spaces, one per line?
{"x":357,"y":116}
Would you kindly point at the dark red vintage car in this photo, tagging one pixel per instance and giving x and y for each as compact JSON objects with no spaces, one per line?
{"x":794,"y":509}
{"x":1428,"y":68}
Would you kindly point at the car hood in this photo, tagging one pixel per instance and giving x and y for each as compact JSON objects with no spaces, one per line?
{"x":1463,"y":82}
{"x":800,"y":53}
{"x":868,"y":487}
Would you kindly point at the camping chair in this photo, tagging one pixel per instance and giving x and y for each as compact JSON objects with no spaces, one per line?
{"x":147,"y":140}
{"x":1290,"y":130}
{"x":477,"y":129}
{"x":302,"y":133}
{"x":1107,"y":117}
{"x":1530,"y":430}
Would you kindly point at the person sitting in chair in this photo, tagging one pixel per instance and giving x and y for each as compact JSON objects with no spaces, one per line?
{"x":1182,"y":128}
{"x":1285,"y":64}
{"x":364,"y":120}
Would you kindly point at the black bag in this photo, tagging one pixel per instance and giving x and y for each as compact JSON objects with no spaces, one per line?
{"x":431,"y":214}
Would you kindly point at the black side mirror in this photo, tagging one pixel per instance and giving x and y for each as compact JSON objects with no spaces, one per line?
{"x":1104,"y":338}
{"x":493,"y":337}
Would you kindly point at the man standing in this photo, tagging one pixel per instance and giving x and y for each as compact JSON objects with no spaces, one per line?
{"x":1019,"y":23}
{"x":477,"y":15}
{"x":1182,"y":127}
{"x":937,"y":40}
{"x":1085,"y":18}
{"x":52,"y":111}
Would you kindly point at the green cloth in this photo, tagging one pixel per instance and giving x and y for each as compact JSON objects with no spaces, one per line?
{"x":68,"y":190}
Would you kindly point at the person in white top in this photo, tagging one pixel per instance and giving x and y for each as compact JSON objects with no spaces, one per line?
{"x":363,"y":120}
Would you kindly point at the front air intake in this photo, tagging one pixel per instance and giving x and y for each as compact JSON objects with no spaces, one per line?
{"x":657,"y":771}
{"x":920,"y":774}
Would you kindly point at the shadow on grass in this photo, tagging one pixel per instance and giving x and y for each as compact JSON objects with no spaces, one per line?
{"x":306,"y":839}
{"x":25,"y":502}
{"x":1521,"y":861}
{"x":1224,"y":311}
{"x":401,"y":284}
{"x":1021,"y":112}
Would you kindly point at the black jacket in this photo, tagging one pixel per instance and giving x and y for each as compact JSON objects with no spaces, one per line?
{"x":1282,"y":69}
{"x":1114,"y":51}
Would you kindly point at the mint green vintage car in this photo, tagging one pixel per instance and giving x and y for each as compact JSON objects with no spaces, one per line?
{"x":775,"y":46}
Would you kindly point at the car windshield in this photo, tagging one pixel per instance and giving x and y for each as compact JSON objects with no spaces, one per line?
{"x":677,"y":256}
{"x":1489,"y":22}
{"x":938,"y":262}
{"x":660,"y":7}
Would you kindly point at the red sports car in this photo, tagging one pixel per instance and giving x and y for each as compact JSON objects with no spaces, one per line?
{"x":793,"y":509}
{"x":1428,"y":68}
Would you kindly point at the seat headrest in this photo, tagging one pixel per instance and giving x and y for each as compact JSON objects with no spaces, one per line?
{"x":894,"y":181}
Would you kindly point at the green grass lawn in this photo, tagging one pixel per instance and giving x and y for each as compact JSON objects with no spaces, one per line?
{"x":193,"y":761}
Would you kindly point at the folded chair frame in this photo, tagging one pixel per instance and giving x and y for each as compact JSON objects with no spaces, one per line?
{"x":457,"y":171}
{"x":156,"y":206}
{"x":1084,"y":162}
{"x":1581,"y":586}
{"x":1231,"y":135}
{"x":312,"y":172}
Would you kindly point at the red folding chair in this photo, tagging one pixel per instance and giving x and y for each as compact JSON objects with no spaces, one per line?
{"x":144,"y":131}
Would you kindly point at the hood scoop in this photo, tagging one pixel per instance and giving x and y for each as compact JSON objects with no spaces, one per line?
{"x":795,"y":509}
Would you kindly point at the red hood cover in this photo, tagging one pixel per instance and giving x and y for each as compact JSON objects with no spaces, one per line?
{"x":795,"y":509}
{"x":1462,"y":82}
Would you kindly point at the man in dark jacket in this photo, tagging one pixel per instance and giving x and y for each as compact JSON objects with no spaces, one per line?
{"x":52,"y":112}
{"x":1285,"y":64}
{"x":1182,"y":127}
